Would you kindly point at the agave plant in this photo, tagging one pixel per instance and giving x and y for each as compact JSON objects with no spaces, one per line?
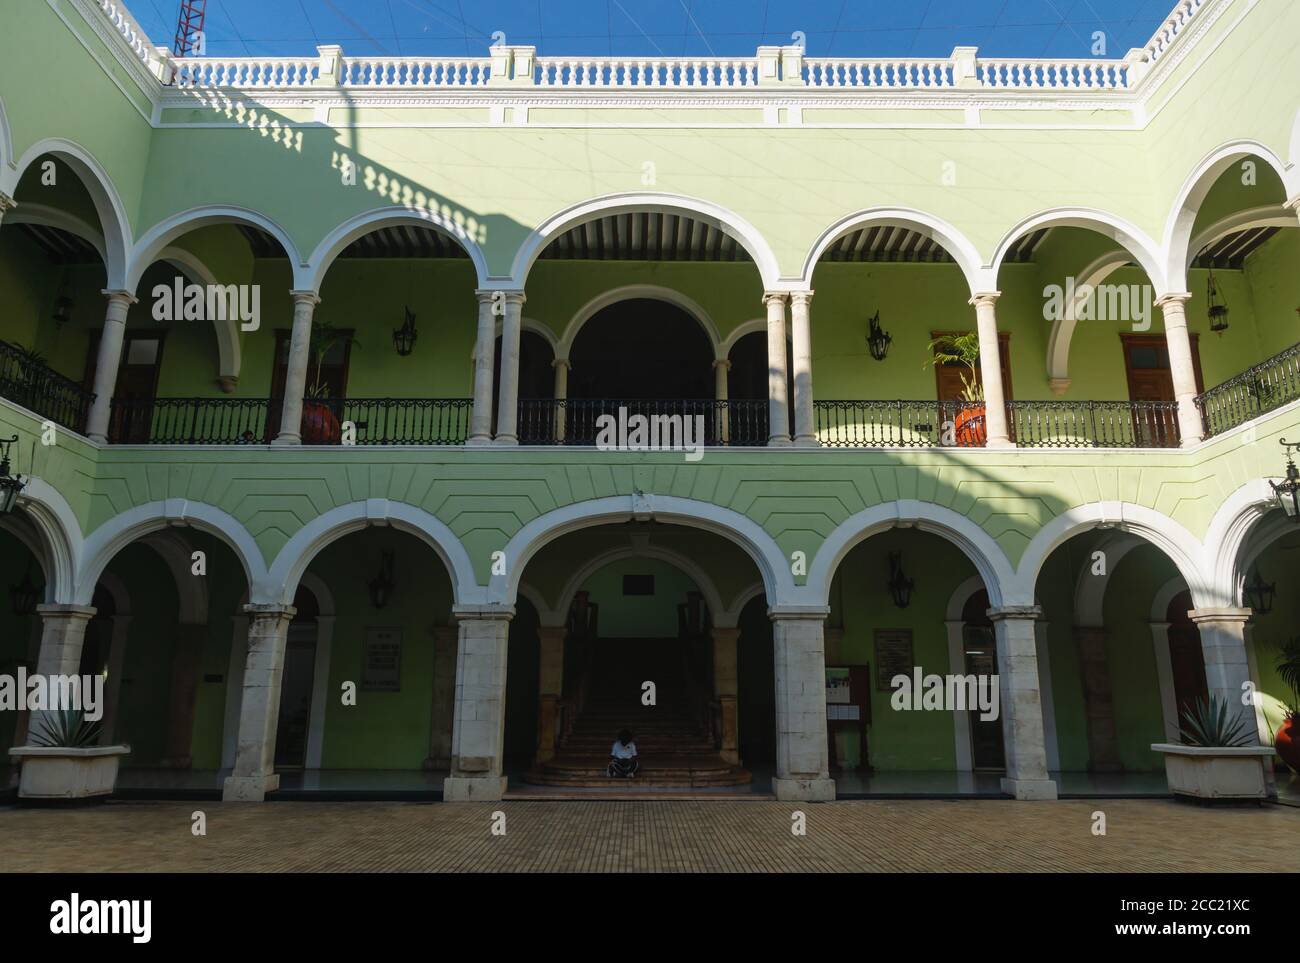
{"x":1208,"y":724}
{"x":64,"y":729}
{"x":963,"y":349}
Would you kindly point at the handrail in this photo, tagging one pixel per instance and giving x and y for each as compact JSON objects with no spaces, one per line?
{"x":1259,"y":389}
{"x":27,"y":380}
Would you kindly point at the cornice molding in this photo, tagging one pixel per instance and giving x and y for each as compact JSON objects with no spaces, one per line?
{"x":95,"y":18}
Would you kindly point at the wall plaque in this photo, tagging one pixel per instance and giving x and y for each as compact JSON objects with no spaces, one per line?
{"x":381,"y":660}
{"x":893,"y":656}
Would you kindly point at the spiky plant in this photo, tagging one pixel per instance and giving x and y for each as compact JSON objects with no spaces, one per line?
{"x":65,"y":729}
{"x":1288,"y":667}
{"x":1208,"y":724}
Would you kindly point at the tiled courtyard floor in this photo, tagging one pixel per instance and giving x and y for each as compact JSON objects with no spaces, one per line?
{"x":719,"y":836}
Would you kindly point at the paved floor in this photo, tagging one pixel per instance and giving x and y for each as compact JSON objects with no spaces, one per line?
{"x":714,"y":835}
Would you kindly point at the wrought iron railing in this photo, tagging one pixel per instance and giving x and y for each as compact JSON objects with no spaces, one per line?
{"x":578,"y":421}
{"x":1094,"y":424}
{"x":190,"y":421}
{"x":28,"y":381}
{"x":899,"y":424}
{"x":1268,"y":385}
{"x":394,"y":421}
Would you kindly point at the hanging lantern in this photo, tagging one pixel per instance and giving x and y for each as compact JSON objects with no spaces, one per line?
{"x":404,"y":337}
{"x":10,"y":485}
{"x":1259,"y":594}
{"x":26,"y":595}
{"x":1217,"y":308}
{"x":900,"y":586}
{"x":382,"y":585}
{"x":1288,"y":490}
{"x":877,"y":340}
{"x":62,"y":311}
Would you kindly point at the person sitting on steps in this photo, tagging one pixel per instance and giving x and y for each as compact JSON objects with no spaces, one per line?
{"x":624,"y":763}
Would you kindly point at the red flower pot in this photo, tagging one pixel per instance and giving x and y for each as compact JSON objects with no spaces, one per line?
{"x":319,"y":426}
{"x":1287,"y":744}
{"x":971,"y":432}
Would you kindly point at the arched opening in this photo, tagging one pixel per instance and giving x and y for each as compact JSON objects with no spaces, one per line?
{"x":536,"y":387}
{"x":980,"y":658}
{"x":747,"y":389}
{"x":23,"y":580}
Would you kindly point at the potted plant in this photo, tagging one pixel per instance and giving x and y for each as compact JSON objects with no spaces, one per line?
{"x":64,"y":760}
{"x":320,"y":423}
{"x":1217,"y":756}
{"x":1287,"y":738}
{"x":964,"y":349}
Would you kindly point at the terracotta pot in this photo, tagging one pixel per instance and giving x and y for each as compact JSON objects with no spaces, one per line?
{"x":319,"y":426}
{"x":971,"y":432}
{"x":1287,"y":744}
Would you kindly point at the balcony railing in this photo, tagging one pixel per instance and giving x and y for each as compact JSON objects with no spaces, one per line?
{"x":28,"y":381}
{"x":1268,"y":385}
{"x":189,"y":421}
{"x":576,"y":421}
{"x":1093,"y":424}
{"x":899,"y":424}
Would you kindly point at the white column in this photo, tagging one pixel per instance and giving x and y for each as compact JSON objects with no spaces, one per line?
{"x":550,"y":685}
{"x":802,"y":766}
{"x":295,"y":379}
{"x":561,"y":394}
{"x":960,"y":720}
{"x":1223,"y":643}
{"x":7,"y":204}
{"x":234,"y":689}
{"x":805,"y":428}
{"x":508,"y":395}
{"x":478,"y":728}
{"x":480,"y":424}
{"x":259,"y":708}
{"x":1023,"y":737}
{"x":778,"y":401}
{"x":726,"y":689}
{"x":995,"y":404}
{"x":443,"y":698}
{"x":107,"y":363}
{"x":722,"y":422}
{"x":1181,"y":369}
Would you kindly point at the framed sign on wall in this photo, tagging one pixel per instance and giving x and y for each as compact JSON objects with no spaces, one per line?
{"x":894,"y":655}
{"x":381,"y":659}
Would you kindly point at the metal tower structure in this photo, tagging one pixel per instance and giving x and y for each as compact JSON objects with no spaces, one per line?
{"x":189,"y":24}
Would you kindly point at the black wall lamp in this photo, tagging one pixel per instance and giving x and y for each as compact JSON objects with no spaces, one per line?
{"x":404,"y":337}
{"x":877,"y":340}
{"x":900,"y":586}
{"x":10,"y":485}
{"x":1287,"y":491}
{"x":1259,"y":594}
{"x":382,"y":585}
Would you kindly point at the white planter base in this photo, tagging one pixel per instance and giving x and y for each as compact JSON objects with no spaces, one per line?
{"x":1216,"y":773}
{"x":60,"y":773}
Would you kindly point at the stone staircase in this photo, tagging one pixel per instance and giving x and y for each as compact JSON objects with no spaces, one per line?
{"x":673,"y":750}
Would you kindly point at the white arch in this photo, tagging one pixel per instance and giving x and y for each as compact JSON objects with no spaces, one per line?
{"x":1058,"y":342}
{"x":929,"y":226}
{"x":547,"y":617}
{"x":1187,"y":204}
{"x":628,"y":292}
{"x":978,"y":545}
{"x":113,"y":222}
{"x":960,"y":596}
{"x":670,"y":509}
{"x":59,"y":534}
{"x":1090,"y":589}
{"x":1130,"y":237}
{"x":286,"y":571}
{"x":6,"y":142}
{"x":714,"y":215}
{"x":1183,"y":549}
{"x":32,"y":212}
{"x":752,"y":326}
{"x":1274,"y":215}
{"x":1165,"y":596}
{"x":677,"y":560}
{"x":121,"y":530}
{"x":364,"y":223}
{"x":177,"y":554}
{"x":1230,"y":534}
{"x":538,"y":328}
{"x":229,"y":352}
{"x":161,"y":235}
{"x":731,"y":616}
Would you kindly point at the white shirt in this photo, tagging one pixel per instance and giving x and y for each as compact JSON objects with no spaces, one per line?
{"x":621,"y":751}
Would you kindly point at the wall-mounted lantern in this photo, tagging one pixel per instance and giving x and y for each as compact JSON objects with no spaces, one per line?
{"x":900,"y":586}
{"x":1288,"y":490}
{"x":26,"y":595}
{"x":877,"y":340}
{"x":404,"y":337}
{"x":1259,"y":594}
{"x":382,"y":585}
{"x":10,"y":485}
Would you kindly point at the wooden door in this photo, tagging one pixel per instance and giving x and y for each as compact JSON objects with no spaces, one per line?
{"x":1146,"y":363}
{"x":333,"y":376}
{"x":136,"y":386}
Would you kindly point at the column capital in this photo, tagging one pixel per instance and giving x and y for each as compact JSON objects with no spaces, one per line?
{"x":816,"y":613}
{"x":561,"y":363}
{"x":305,"y":297}
{"x":780,"y":297}
{"x":1220,"y":614}
{"x":270,"y":610}
{"x":801,"y":297}
{"x":117,"y":295}
{"x":1173,"y":297}
{"x":55,"y":610}
{"x":483,"y":613}
{"x":1016,"y":612}
{"x":984,"y":297}
{"x":723,"y":363}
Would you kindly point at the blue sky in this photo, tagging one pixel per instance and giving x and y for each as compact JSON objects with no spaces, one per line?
{"x":846,"y":28}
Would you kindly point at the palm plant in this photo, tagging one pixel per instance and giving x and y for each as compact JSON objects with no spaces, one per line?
{"x":1208,"y":724}
{"x":963,"y":349}
{"x":65,"y":729}
{"x":1288,"y":667}
{"x":325,"y":337}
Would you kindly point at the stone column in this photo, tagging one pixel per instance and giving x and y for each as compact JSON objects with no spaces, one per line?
{"x":478,"y":729}
{"x":1181,"y":369}
{"x":63,"y":635}
{"x":561,"y":393}
{"x":805,"y":427}
{"x":1165,"y":678}
{"x":259,"y":708}
{"x":721,"y":390}
{"x":295,"y":379}
{"x":1223,"y":642}
{"x":107,"y":363}
{"x":802,"y":767}
{"x":1020,"y":703}
{"x":508,"y":395}
{"x":995,"y":404}
{"x":550,"y":685}
{"x":485,"y":347}
{"x":726,"y":689}
{"x":778,"y":402}
{"x":187,"y":663}
{"x":444,"y":697}
{"x":7,"y":204}
{"x":1098,"y":704}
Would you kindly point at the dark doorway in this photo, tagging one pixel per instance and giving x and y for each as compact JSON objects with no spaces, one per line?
{"x":536,"y":388}
{"x":641,"y":349}
{"x":136,"y":387}
{"x":1186,"y":658}
{"x":756,"y":676}
{"x":296,"y":685}
{"x":979,"y":645}
{"x":523,"y":666}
